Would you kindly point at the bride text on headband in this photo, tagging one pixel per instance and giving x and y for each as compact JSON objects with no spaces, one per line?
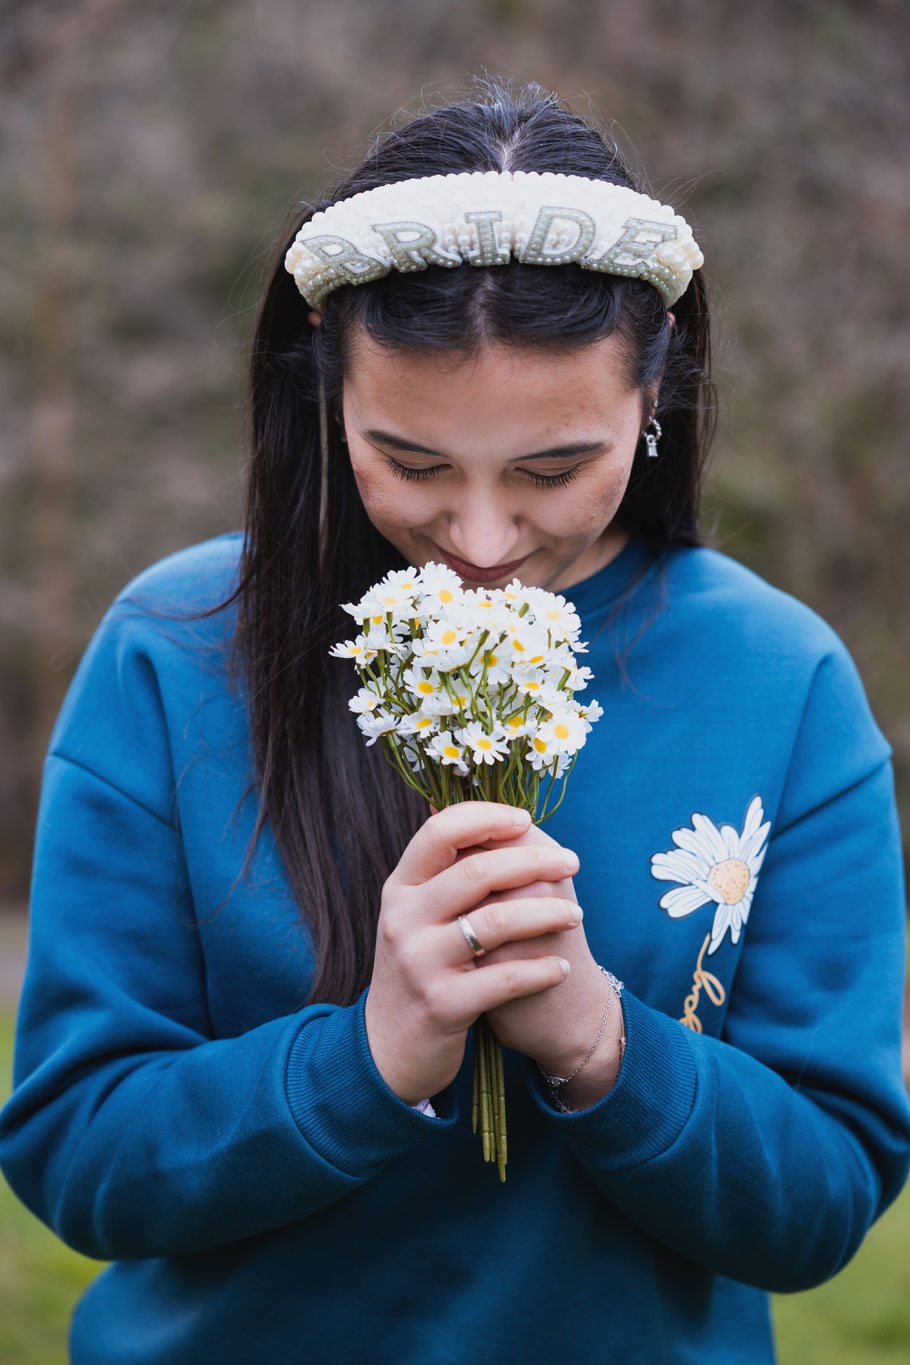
{"x":485,"y":217}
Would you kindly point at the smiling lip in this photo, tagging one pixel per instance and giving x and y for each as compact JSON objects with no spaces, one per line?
{"x":476,"y":575}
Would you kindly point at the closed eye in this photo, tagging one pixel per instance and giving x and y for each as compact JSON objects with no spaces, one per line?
{"x":402,"y":471}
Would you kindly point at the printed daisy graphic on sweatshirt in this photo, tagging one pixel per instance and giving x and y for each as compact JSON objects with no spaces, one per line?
{"x":713,"y":865}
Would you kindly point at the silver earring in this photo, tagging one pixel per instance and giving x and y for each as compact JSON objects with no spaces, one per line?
{"x":652,"y":437}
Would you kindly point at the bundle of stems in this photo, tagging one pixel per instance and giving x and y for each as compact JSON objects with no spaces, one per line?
{"x":489,"y":1099}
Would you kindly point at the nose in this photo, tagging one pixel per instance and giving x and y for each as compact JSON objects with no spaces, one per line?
{"x":484,"y":532}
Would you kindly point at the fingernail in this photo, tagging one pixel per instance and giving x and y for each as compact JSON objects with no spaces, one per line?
{"x":521,"y":819}
{"x":566,"y":966}
{"x":570,"y":862}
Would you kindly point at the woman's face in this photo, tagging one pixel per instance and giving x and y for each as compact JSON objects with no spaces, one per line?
{"x":508,"y":462}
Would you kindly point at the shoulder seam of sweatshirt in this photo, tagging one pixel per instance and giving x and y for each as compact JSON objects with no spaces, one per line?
{"x":128,"y":796}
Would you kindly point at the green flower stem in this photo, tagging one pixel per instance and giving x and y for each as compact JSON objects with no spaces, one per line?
{"x":486,"y":1113}
{"x":501,"y":1145}
{"x":434,"y":785}
{"x":392,"y":753}
{"x":562,"y":793}
{"x":480,"y":643}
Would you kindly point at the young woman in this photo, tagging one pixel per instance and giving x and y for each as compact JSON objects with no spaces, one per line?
{"x":241,"y":1070}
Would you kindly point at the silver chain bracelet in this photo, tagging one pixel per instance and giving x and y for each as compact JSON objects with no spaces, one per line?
{"x":554,"y":1082}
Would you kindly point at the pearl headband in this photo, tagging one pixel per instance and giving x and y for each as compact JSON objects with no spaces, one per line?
{"x":485,"y":217}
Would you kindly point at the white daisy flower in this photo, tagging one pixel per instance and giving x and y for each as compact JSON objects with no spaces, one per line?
{"x":368,"y":698}
{"x":440,"y":587}
{"x":541,"y":751}
{"x":527,"y":643}
{"x":360,"y":650}
{"x":418,"y":723}
{"x":485,"y":612}
{"x":516,"y":594}
{"x":537,"y":684}
{"x":359,"y":610}
{"x":404,"y":580}
{"x":530,"y":679}
{"x":389,"y":597}
{"x":716,"y":865}
{"x":444,"y":646}
{"x":445,"y":749}
{"x":420,"y":683}
{"x":517,"y":725}
{"x":591,"y":712}
{"x":565,"y":732}
{"x":578,"y":678}
{"x":376,"y":723}
{"x":555,"y":614}
{"x":485,"y":748}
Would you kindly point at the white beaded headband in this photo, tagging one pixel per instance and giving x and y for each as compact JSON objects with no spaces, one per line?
{"x":485,"y":217}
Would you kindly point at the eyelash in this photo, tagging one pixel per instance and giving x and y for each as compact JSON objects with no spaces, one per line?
{"x":541,"y":480}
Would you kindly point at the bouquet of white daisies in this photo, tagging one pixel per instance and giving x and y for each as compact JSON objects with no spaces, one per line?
{"x":470,"y":692}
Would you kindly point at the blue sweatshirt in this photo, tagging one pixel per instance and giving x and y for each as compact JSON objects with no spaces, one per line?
{"x":180,"y":1111}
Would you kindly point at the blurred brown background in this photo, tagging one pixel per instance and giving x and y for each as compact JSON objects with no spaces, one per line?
{"x":150,"y":151}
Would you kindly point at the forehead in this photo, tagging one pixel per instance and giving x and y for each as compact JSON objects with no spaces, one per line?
{"x":586,"y":381}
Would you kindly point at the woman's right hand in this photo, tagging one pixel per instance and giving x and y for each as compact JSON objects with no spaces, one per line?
{"x":425,"y":991}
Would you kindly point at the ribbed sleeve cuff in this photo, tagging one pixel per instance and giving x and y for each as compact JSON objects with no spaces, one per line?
{"x":341,"y":1104}
{"x":647,"y":1109}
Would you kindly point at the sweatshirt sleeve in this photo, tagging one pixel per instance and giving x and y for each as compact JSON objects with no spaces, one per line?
{"x":766,"y":1154}
{"x":132,"y":1131}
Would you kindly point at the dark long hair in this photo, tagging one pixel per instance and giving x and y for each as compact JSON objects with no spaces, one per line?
{"x":339,"y":814}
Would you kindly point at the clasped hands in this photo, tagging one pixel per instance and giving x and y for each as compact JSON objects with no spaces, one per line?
{"x":515,"y":884}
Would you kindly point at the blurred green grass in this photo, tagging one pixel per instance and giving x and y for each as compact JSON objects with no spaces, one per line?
{"x":861,"y":1315}
{"x":40,"y":1277}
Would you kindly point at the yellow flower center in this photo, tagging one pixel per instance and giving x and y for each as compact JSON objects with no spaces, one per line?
{"x":449,"y":637}
{"x":730,"y":878}
{"x":426,"y":688}
{"x":484,"y":744}
{"x":445,"y":595}
{"x":389,"y":601}
{"x":554,"y":615}
{"x":377,"y":620}
{"x":540,"y":745}
{"x":450,"y":751}
{"x":424,"y":723}
{"x":561,"y":731}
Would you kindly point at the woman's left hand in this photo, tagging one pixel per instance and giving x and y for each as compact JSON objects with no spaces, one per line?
{"x":556,"y":1027}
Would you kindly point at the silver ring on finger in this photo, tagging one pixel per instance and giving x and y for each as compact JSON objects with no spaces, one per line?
{"x":471,"y":938}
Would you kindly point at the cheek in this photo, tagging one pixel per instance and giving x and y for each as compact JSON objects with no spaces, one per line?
{"x":386,"y":499}
{"x":594,"y":506}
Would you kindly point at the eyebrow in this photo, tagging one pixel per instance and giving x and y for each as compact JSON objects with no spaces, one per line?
{"x":564,"y":452}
